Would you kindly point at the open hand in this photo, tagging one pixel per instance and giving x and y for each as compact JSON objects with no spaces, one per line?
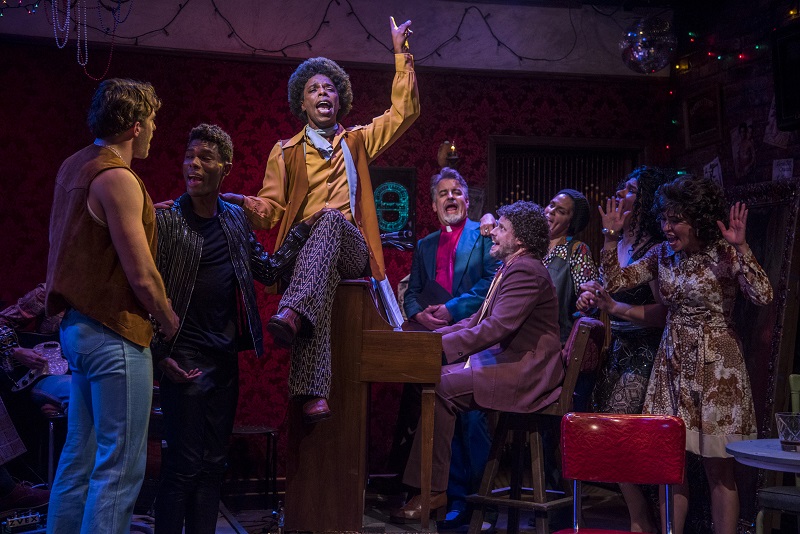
{"x":164,"y":205}
{"x":233,"y":198}
{"x":174,"y":372}
{"x":613,"y":217}
{"x":735,"y":232}
{"x":30,"y":358}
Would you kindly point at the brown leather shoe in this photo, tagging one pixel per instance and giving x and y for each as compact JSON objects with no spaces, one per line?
{"x":284,"y":326}
{"x":315,"y":410}
{"x":412,"y":511}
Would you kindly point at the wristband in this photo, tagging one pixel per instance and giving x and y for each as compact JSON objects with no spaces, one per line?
{"x":612,"y":234}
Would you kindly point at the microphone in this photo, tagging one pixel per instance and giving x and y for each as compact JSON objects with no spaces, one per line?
{"x":401,"y":234}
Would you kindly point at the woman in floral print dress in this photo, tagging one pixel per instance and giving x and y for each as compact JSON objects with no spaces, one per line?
{"x":699,"y":373}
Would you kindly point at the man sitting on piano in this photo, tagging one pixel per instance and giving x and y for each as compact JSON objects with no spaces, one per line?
{"x":514,"y":334}
{"x":450,"y":276}
{"x":327,"y":165}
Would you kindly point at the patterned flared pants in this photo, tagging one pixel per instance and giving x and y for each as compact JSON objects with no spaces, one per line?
{"x":335,"y":250}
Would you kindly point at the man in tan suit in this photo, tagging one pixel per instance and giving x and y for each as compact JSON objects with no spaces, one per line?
{"x":506,"y":356}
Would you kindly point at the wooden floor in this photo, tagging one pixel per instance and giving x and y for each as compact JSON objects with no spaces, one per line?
{"x":602,"y":509}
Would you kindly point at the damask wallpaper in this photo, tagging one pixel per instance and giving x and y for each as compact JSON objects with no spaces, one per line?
{"x":45,"y":96}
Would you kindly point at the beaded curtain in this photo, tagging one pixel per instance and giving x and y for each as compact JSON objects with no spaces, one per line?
{"x":43,"y":118}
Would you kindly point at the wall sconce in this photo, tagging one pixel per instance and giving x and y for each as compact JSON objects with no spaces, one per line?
{"x":447,"y":156}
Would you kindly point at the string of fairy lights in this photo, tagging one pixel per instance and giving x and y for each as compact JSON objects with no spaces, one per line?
{"x":74,"y":12}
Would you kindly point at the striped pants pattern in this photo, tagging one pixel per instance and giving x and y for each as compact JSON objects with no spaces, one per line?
{"x":335,"y":250}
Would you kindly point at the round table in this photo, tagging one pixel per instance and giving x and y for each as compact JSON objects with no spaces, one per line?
{"x":764,"y":454}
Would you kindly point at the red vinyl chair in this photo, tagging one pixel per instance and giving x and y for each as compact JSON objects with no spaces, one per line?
{"x":637,"y":449}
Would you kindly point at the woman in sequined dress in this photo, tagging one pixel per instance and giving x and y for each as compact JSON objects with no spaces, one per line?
{"x":699,"y":372}
{"x":622,"y":381}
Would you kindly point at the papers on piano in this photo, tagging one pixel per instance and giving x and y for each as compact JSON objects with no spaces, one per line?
{"x":389,"y":302}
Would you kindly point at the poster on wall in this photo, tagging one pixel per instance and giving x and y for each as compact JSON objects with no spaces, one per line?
{"x":713,"y":170}
{"x":744,"y":151}
{"x":772,"y":135}
{"x":702,"y":117}
{"x":395,"y":192}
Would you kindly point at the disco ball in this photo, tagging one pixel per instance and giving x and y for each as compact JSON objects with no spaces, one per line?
{"x":647,"y":45}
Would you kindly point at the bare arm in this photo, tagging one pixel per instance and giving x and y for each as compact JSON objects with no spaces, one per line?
{"x":116,"y":197}
{"x":594,"y":296}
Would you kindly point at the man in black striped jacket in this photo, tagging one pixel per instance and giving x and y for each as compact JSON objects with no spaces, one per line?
{"x":208,"y":258}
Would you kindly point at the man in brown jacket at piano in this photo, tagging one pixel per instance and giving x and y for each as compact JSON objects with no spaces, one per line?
{"x":507,"y":356}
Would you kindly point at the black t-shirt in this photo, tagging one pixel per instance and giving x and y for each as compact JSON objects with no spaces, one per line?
{"x":210,"y":322}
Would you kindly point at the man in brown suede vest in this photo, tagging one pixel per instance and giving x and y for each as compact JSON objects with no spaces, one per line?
{"x":101,"y":272}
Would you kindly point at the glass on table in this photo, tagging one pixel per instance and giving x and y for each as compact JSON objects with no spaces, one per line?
{"x":788,"y":424}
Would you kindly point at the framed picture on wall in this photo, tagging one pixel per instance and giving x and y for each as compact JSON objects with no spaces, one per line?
{"x":702,"y":117}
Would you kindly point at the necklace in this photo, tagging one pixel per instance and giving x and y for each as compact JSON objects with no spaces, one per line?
{"x":111,"y":148}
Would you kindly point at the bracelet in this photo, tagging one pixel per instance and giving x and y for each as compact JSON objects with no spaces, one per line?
{"x":612,"y":234}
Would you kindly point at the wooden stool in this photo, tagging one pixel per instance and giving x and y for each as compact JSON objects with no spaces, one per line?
{"x":581,"y":354}
{"x":271,"y":464}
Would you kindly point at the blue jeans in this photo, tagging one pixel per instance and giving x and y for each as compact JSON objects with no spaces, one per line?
{"x":470,"y":451}
{"x":103,"y":461}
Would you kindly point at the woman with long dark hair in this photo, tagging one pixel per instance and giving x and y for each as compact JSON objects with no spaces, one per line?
{"x":622,"y":381}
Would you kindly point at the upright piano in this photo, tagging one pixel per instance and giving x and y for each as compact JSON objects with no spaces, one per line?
{"x":326,"y":469}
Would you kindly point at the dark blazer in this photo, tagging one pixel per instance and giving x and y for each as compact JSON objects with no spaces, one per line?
{"x":515,"y":352}
{"x":472,"y":272}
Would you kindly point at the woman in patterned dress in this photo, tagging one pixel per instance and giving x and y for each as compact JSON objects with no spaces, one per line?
{"x":622,"y":381}
{"x":699,"y":373}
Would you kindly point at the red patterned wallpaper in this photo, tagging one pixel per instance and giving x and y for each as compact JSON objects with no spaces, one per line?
{"x":43,"y":117}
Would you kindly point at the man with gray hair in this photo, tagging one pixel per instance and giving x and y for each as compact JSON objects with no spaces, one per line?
{"x":450,"y":276}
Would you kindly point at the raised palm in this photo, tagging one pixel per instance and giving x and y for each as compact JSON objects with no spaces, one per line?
{"x":734,"y":233}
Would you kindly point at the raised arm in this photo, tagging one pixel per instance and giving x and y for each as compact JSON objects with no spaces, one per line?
{"x":753,"y":281}
{"x":387,"y":128}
